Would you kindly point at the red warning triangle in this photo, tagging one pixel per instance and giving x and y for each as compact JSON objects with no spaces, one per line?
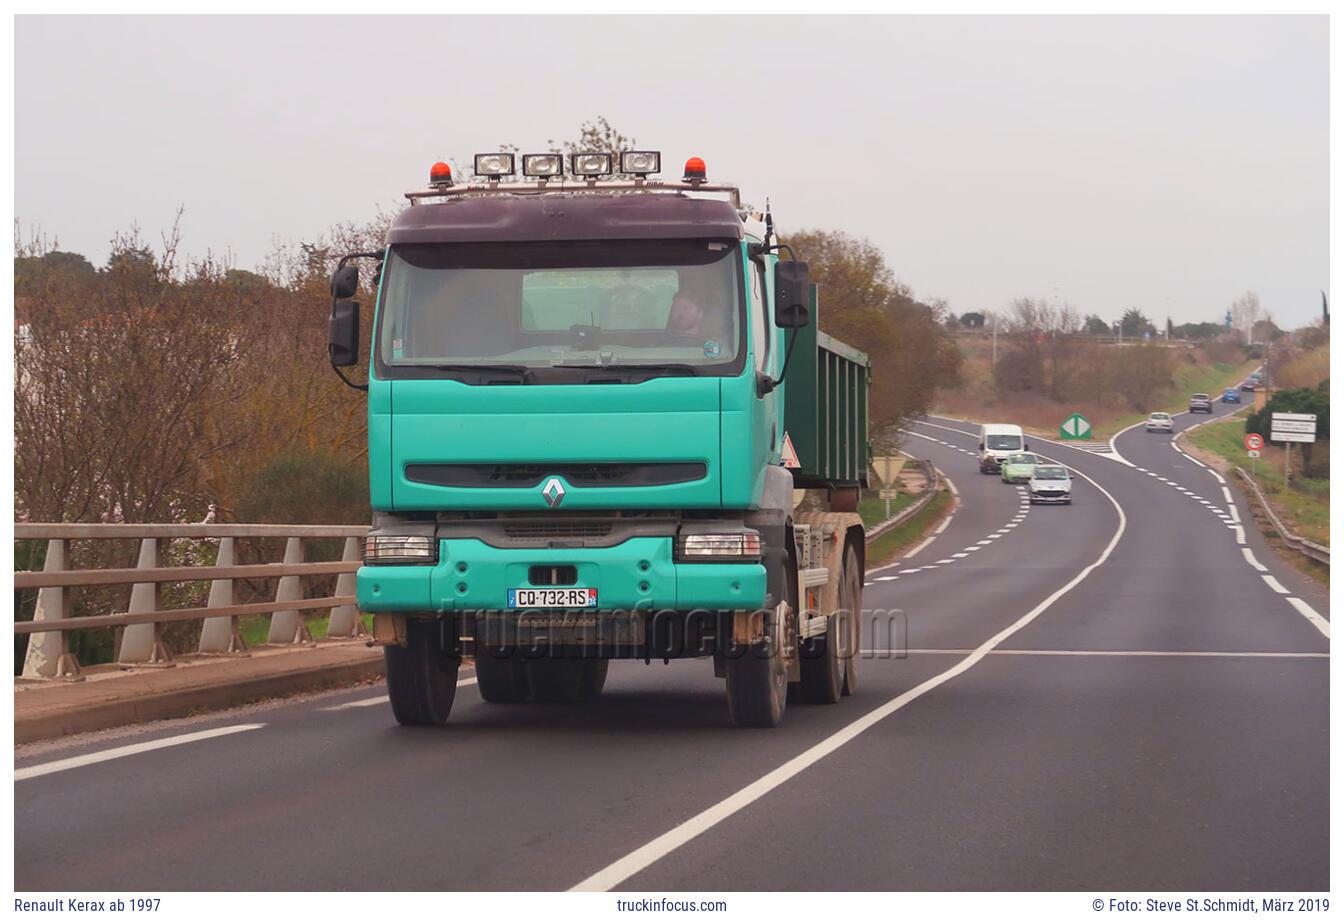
{"x":788,"y":457}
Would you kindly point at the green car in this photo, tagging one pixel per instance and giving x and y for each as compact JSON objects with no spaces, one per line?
{"x":1018,"y":467}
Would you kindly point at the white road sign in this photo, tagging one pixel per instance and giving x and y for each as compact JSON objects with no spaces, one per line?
{"x":1293,"y":417}
{"x":1285,"y":425}
{"x":1296,"y":437}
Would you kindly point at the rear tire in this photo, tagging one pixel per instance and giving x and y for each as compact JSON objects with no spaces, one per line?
{"x":555,"y":680}
{"x":594,"y":678}
{"x":851,"y":603}
{"x":422,"y":677}
{"x":500,"y":675}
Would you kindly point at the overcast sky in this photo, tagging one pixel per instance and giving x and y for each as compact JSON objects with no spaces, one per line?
{"x":1169,"y":163}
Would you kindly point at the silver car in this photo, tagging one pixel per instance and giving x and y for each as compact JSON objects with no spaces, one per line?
{"x":1158,"y":421}
{"x":1050,"y":483}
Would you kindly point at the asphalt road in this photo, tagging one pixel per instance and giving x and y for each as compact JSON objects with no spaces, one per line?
{"x":1111,"y":695}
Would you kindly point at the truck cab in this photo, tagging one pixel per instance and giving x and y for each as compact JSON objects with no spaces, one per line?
{"x":577,"y":413}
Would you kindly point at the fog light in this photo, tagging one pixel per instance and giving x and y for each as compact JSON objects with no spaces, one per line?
{"x":384,"y":549}
{"x":494,"y":164}
{"x":640,"y":162}
{"x":590,"y":164}
{"x":543,"y":165}
{"x":712,"y":546}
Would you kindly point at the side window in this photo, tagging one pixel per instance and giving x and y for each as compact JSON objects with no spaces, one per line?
{"x":760,"y":329}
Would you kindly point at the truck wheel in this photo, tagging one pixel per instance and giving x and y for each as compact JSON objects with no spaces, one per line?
{"x":821,"y":671}
{"x":500,"y":676}
{"x":594,"y":678}
{"x":851,"y":613}
{"x":422,"y":677}
{"x":555,"y":680}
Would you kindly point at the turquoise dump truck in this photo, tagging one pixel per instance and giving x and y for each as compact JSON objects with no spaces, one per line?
{"x":603,"y":425}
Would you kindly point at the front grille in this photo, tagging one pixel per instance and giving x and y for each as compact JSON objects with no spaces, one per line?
{"x":527,"y":475}
{"x":556,"y":530}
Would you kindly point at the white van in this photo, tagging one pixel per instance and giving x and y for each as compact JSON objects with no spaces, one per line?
{"x":996,"y":443}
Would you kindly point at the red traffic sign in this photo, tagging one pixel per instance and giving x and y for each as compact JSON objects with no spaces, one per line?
{"x":1254,"y":442}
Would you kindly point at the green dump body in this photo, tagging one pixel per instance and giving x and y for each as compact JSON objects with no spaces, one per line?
{"x":826,"y":409}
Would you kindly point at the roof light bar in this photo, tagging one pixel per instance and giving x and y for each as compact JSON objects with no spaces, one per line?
{"x":590,"y":164}
{"x":494,"y":165}
{"x":543,"y":165}
{"x":641,"y":162}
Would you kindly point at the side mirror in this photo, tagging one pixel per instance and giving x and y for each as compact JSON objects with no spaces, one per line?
{"x":343,"y":342}
{"x":344,"y":282}
{"x":791,"y":295}
{"x":1026,"y":446}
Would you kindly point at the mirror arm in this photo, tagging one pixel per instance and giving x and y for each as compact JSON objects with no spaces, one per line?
{"x":348,"y":382}
{"x":765,"y":384}
{"x":756,"y":251}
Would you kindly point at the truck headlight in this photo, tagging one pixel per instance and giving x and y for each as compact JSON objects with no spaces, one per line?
{"x":400,"y":550}
{"x":701,"y":547}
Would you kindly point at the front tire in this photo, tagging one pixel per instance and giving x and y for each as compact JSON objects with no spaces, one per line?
{"x":422,"y":677}
{"x":501,"y":676}
{"x":757,"y":677}
{"x":594,"y":678}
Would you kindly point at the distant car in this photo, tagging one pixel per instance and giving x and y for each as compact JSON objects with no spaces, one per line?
{"x":1158,"y":421}
{"x":1248,"y":386}
{"x":1200,"y":402}
{"x":1232,"y":394}
{"x":1258,"y":376}
{"x":1018,"y":467}
{"x":1050,"y":483}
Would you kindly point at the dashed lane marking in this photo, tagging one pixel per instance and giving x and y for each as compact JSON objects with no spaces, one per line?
{"x":1312,"y":616}
{"x":1274,"y":584}
{"x":1254,"y":562}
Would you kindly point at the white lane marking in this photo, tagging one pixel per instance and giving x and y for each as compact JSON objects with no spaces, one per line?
{"x":1254,"y":562}
{"x":910,"y":571}
{"x":876,"y":653}
{"x":1150,"y":473}
{"x":1274,"y":584}
{"x":951,"y":486}
{"x":944,"y":561}
{"x":1175,"y":448}
{"x":995,"y":536}
{"x":959,"y":555}
{"x":979,"y":543}
{"x":975,"y":549}
{"x":641,"y":858}
{"x":943,"y":526}
{"x":867,"y":584}
{"x":926,"y":542}
{"x":1312,"y":616}
{"x":1221,"y":480}
{"x":1232,"y":513}
{"x":1115,"y":450}
{"x":1241,"y":533}
{"x":1010,"y":525}
{"x":1227,"y":496}
{"x":381,"y":698}
{"x":887,"y":577}
{"x":83,"y":760}
{"x":1191,"y":459}
{"x":1140,"y":469}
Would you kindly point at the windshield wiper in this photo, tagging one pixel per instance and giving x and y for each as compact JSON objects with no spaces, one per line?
{"x":519,"y":372}
{"x":683,"y":369}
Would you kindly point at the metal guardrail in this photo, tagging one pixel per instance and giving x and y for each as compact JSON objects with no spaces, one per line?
{"x":932,"y":479}
{"x":142,"y":640}
{"x":1296,"y":541}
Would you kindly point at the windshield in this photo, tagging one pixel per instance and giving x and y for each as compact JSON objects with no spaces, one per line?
{"x":1050,"y":472}
{"x":1022,"y":458}
{"x":1004,"y":442}
{"x":1160,"y":416}
{"x":663,"y":305}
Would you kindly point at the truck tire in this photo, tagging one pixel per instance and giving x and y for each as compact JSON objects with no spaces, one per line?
{"x":555,"y":680}
{"x":758,"y":677}
{"x":851,"y":613}
{"x":422,"y":677}
{"x":821,"y":672}
{"x":500,"y":675}
{"x":594,"y":678}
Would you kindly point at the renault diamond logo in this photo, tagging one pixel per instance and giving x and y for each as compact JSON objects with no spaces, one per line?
{"x":553,"y":492}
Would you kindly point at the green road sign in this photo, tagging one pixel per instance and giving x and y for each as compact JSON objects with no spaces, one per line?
{"x":1075,"y":428}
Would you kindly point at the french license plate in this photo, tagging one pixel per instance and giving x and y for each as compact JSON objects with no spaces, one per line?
{"x":554,"y":598}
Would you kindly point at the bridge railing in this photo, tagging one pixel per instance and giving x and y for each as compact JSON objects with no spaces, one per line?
{"x":142,"y":642}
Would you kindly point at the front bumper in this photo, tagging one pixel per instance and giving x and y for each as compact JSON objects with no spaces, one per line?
{"x":639,"y":574}
{"x":1017,"y":478}
{"x":1050,"y":498}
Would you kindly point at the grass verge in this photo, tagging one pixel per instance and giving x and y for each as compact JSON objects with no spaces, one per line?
{"x":873,"y":510}
{"x":908,"y":533}
{"x":254,"y":629}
